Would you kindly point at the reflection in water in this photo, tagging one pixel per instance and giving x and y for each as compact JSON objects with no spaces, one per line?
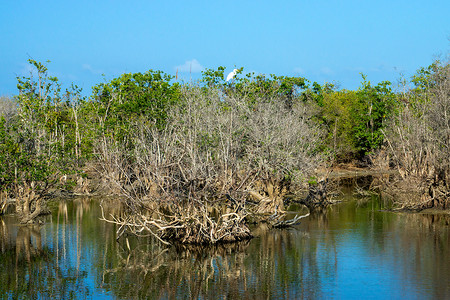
{"x":424,"y":245}
{"x":153,"y":272}
{"x":350,"y":250}
{"x":38,"y":261}
{"x":28,"y":265}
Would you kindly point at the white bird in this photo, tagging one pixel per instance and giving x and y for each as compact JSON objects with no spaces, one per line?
{"x":232,"y":74}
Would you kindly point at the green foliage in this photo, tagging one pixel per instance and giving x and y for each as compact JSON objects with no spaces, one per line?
{"x":252,"y":88}
{"x":255,"y":87}
{"x":19,"y":160}
{"x":260,"y":87}
{"x":290,"y":86}
{"x":56,"y":129}
{"x":317,"y":92}
{"x":213,"y":78}
{"x":43,"y":138}
{"x":131,"y":97}
{"x":374,"y":105}
{"x":335,"y":115}
{"x":8,"y":152}
{"x":312,"y":180}
{"x":425,"y":82}
{"x":354,"y":119}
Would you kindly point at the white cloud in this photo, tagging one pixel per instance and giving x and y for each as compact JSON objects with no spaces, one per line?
{"x":91,"y":69}
{"x":299,"y":70}
{"x":326,"y":71}
{"x":191,"y":66}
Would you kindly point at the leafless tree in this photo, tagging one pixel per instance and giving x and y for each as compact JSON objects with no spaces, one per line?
{"x":419,"y":141}
{"x":8,"y":107}
{"x":218,"y":160}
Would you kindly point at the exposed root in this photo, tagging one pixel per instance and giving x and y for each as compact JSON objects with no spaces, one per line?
{"x":189,"y":223}
{"x":415,"y":194}
{"x":278,"y":222}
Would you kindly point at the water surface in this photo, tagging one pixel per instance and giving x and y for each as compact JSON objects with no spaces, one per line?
{"x":352,"y":250}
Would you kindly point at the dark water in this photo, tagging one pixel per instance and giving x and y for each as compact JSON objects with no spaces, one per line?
{"x":348,"y":251}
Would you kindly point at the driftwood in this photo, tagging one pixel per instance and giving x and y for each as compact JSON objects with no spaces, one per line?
{"x":278,"y":222}
{"x":190,"y":223}
{"x":197,"y":222}
{"x":277,"y":218}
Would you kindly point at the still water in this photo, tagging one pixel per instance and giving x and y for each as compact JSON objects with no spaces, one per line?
{"x":351,"y":250}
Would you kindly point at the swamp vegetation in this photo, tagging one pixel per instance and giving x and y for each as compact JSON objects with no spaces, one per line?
{"x":199,"y":163}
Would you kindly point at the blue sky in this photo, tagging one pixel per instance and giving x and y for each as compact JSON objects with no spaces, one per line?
{"x":321,"y":40}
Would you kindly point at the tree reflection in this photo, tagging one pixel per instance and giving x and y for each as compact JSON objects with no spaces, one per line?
{"x":153,"y":271}
{"x":77,"y":255}
{"x":24,"y":245}
{"x":278,"y":263}
{"x":4,"y":236}
{"x":425,"y":237}
{"x":29,"y":268}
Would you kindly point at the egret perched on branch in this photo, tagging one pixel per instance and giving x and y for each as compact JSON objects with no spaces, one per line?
{"x":232,"y":74}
